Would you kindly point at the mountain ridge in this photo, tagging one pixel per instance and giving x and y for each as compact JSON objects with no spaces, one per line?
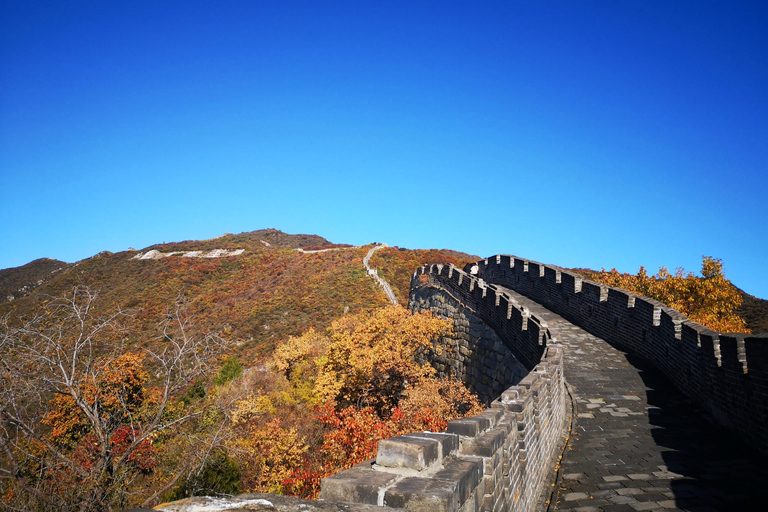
{"x":267,"y":292}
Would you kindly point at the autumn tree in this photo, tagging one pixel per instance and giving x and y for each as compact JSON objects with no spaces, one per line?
{"x":370,"y":379}
{"x":80,"y":409}
{"x":710,"y":300}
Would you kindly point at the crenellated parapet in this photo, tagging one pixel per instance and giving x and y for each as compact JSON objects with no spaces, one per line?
{"x":725,"y":373}
{"x":498,"y":460}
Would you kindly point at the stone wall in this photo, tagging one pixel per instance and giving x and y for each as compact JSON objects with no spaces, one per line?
{"x":474,"y":354}
{"x":725,"y":373}
{"x":498,"y":460}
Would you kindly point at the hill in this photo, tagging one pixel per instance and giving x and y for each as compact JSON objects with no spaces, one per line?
{"x":20,"y":281}
{"x":255,"y":288}
{"x":86,"y":397}
{"x":754,"y":311}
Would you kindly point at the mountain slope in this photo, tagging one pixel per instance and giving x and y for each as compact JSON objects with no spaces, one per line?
{"x":20,"y":281}
{"x":262,"y":295}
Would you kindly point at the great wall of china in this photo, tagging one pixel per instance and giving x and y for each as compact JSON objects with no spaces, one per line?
{"x":597,"y":398}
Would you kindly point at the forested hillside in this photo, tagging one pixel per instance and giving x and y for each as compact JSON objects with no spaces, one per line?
{"x":260,"y":361}
{"x":253,"y":362}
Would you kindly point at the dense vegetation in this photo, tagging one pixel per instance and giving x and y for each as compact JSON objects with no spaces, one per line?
{"x":176,"y":386}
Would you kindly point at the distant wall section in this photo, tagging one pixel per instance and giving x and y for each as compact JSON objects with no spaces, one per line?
{"x":474,"y":354}
{"x":725,"y":373}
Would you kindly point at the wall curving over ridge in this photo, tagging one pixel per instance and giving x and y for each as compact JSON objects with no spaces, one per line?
{"x":474,"y":353}
{"x":498,"y":460}
{"x":725,"y":373}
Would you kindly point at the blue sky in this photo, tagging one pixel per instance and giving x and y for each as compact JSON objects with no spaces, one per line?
{"x":582,"y":134}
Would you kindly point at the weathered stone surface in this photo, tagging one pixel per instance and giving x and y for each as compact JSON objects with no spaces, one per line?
{"x":356,"y":485}
{"x":448,"y":443}
{"x":465,"y":472}
{"x":469,"y":426}
{"x":485,"y":444}
{"x":423,"y":495}
{"x":408,"y":451}
{"x":262,"y":502}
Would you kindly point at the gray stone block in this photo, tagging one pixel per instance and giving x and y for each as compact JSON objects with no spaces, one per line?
{"x":484,"y":445}
{"x":469,"y":426}
{"x":449,"y":443}
{"x":423,"y":495}
{"x":356,"y":485}
{"x":407,"y":452}
{"x":465,"y":472}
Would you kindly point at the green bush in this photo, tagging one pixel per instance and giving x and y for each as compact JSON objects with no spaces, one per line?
{"x":230,"y":370}
{"x":220,"y":476}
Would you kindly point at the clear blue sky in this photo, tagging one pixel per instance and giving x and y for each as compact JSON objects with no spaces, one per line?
{"x":594,"y":134}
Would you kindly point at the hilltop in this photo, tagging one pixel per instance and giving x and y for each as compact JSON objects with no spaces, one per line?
{"x":20,"y":281}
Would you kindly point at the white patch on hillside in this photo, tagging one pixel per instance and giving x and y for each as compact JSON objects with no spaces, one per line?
{"x":154,"y":254}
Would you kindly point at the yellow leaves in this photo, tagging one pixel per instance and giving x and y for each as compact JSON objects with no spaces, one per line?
{"x":446,"y":399}
{"x":369,"y":373}
{"x":297,"y":350}
{"x":269,"y":454}
{"x":250,"y":407}
{"x":372,"y":359}
{"x":710,"y":300}
{"x":366,"y":358}
{"x":67,"y":422}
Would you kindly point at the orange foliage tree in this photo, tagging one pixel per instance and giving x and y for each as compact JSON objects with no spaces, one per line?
{"x":370,"y":382}
{"x":711,"y":300}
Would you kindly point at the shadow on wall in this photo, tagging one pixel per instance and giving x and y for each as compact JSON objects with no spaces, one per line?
{"x":708,"y":467}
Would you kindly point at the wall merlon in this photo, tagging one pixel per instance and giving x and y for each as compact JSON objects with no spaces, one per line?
{"x":448,"y":444}
{"x":469,"y":427}
{"x":423,"y":495}
{"x":409,"y":452}
{"x":466,"y":471}
{"x":656,"y":316}
{"x":356,"y":485}
{"x":485,"y":444}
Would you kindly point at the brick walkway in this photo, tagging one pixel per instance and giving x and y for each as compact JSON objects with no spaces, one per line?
{"x":638,"y":443}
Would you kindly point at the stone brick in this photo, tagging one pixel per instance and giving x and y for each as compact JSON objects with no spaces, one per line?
{"x":423,"y":495}
{"x":356,"y":485}
{"x":408,"y":451}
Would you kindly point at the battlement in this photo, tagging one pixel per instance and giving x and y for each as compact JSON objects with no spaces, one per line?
{"x":725,"y":373}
